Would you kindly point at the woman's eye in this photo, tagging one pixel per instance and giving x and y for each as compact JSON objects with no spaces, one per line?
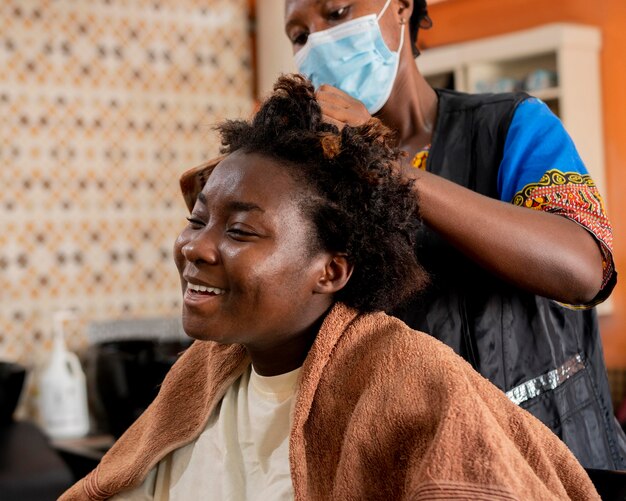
{"x":242,"y":232}
{"x":195,"y":223}
{"x":238,"y":233}
{"x":338,"y":14}
{"x":300,"y":38}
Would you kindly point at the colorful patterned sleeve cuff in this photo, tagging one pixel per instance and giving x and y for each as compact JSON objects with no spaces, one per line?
{"x":576,"y":197}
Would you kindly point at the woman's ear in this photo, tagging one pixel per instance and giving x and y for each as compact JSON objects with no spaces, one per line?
{"x":335,"y":275}
{"x":405,"y":7}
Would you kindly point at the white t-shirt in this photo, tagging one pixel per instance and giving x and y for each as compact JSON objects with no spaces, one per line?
{"x":243,"y":453}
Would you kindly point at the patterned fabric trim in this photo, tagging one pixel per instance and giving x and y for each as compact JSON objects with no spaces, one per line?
{"x":419,"y":160}
{"x":546,"y":382}
{"x":576,"y":197}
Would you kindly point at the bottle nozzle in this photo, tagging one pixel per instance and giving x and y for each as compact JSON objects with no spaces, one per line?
{"x":59,"y":318}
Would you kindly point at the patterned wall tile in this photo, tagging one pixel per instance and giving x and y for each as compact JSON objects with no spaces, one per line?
{"x":103,"y":103}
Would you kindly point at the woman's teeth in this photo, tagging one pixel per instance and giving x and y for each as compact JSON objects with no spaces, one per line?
{"x":202,"y":288}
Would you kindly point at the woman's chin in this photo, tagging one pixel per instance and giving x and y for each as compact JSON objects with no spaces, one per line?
{"x":197,"y":329}
{"x":201,"y":330}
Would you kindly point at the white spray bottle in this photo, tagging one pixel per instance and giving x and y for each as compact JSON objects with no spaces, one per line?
{"x":62,"y":388}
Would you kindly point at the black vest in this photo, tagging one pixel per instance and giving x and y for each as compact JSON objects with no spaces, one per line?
{"x":547,"y":358}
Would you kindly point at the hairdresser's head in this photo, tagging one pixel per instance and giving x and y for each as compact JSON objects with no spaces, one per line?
{"x":365,"y":48}
{"x":303,"y":17}
{"x":419,"y":20}
{"x":297,"y":216}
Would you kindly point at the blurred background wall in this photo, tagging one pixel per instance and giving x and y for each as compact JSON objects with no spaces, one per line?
{"x":103,"y":104}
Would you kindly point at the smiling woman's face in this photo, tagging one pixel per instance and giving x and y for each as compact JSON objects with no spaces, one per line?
{"x":248,"y":268}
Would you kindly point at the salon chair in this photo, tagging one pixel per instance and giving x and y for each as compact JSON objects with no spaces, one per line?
{"x":611,"y":484}
{"x":128,"y":375}
{"x":30,"y":469}
{"x":126,"y":363}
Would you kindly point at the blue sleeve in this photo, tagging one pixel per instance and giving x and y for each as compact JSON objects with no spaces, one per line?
{"x":536,"y":143}
{"x":541,"y":169}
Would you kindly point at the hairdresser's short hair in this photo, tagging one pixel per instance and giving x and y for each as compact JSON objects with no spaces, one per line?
{"x":419,"y":20}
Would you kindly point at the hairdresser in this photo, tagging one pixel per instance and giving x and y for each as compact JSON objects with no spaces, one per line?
{"x":517,"y":243}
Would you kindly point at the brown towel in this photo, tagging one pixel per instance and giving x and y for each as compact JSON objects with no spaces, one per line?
{"x":382,"y":412}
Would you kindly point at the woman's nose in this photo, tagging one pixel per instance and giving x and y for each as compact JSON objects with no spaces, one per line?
{"x":201,"y":248}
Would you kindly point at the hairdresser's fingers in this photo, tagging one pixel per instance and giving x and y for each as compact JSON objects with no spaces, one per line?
{"x":341,"y":107}
{"x":338,"y":113}
{"x":332,"y":121}
{"x":347,"y":116}
{"x":331,"y":93}
{"x":337,"y":97}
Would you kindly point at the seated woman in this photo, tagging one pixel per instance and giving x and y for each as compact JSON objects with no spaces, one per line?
{"x":298,"y":385}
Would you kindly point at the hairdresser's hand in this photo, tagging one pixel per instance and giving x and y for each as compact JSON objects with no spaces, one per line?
{"x":339,"y":108}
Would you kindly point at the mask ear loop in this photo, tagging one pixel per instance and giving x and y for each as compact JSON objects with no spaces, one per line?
{"x":402,"y":23}
{"x":401,"y":35}
{"x":383,"y":11}
{"x":397,"y":59}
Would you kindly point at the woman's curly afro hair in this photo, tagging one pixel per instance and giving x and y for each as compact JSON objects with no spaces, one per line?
{"x":359,"y":204}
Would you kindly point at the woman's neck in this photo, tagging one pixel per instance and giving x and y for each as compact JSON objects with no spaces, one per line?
{"x":412,"y":107}
{"x":288,"y":353}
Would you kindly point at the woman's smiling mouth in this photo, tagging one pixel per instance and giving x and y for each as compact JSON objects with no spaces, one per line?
{"x":197,"y":294}
{"x":204,"y":290}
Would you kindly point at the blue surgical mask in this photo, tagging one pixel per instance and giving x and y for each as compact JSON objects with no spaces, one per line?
{"x":353,"y":57}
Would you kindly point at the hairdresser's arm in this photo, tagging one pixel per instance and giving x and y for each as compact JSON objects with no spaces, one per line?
{"x":543,"y":253}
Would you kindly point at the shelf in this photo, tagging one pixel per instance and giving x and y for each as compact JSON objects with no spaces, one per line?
{"x":549,"y":94}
